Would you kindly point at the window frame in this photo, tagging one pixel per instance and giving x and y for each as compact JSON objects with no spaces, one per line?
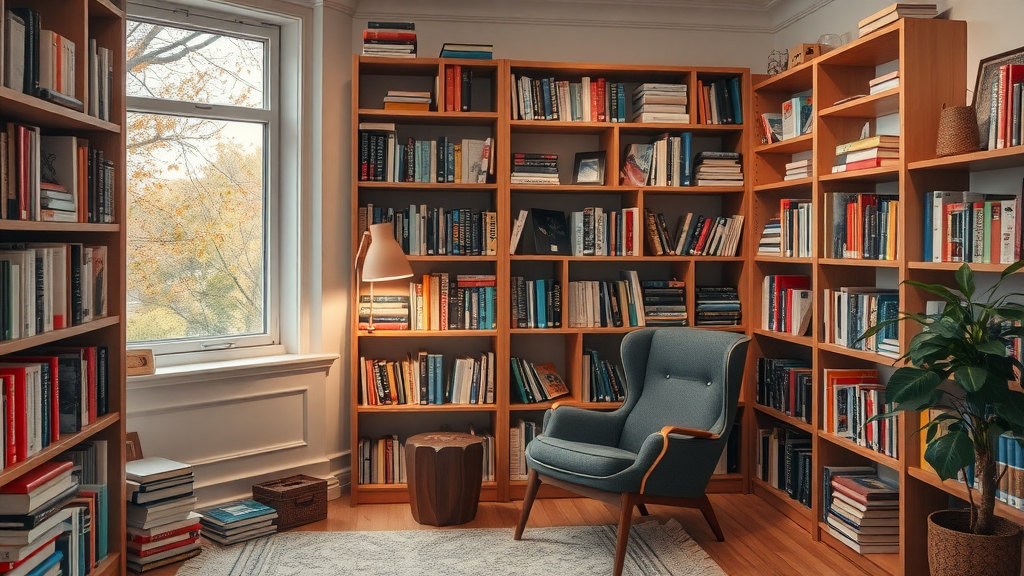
{"x":220,"y":348}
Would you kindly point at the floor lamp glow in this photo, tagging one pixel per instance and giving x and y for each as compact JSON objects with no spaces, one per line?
{"x":384,"y":261}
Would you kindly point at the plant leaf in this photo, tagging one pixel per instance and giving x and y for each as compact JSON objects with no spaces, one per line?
{"x":972,"y":378}
{"x":948,"y":328}
{"x":965,"y":280}
{"x":933,"y":429}
{"x":950,"y":453}
{"x":909,"y":383}
{"x":918,"y":404}
{"x":1012,"y":408}
{"x":992,"y":347}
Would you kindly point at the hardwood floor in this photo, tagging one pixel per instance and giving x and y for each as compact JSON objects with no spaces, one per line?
{"x":758,"y":540}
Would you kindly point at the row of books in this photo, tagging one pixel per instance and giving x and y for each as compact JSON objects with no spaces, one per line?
{"x":435,"y":231}
{"x":796,"y":231}
{"x":536,"y":303}
{"x":671,"y":160}
{"x":532,"y":383}
{"x":795,"y":118}
{"x":849,"y":311}
{"x":163,"y":527}
{"x":439,"y":302}
{"x":653,"y":164}
{"x":866,"y":153}
{"x":420,"y":379}
{"x":718,"y":306}
{"x":458,"y":88}
{"x":785,"y":384}
{"x":42,"y":63}
{"x":696,"y":235}
{"x":603,"y":380}
{"x":852,"y":397}
{"x":46,"y":287}
{"x":861,"y":509}
{"x":606,"y":304}
{"x":971,"y":227}
{"x":55,"y":518}
{"x":597,"y":232}
{"x":534,"y":168}
{"x":786,"y":303}
{"x":784,"y":461}
{"x":588,"y":100}
{"x":862,"y":225}
{"x":520,"y":434}
{"x":719,"y":101}
{"x":1004,"y":128}
{"x":384,"y":158}
{"x":53,"y":178}
{"x":390,"y":39}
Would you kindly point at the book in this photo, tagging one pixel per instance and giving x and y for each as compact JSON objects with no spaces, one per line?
{"x":637,"y":165}
{"x":551,"y":382}
{"x":154,"y":469}
{"x":235,"y":512}
{"x":551,"y":234}
{"x":43,"y":476}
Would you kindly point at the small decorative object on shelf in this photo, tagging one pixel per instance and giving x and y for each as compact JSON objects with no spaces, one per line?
{"x":589,"y":168}
{"x":778,"y":62}
{"x":958,"y":131}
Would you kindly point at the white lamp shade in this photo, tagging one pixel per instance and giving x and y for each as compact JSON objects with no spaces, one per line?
{"x":384,"y":259}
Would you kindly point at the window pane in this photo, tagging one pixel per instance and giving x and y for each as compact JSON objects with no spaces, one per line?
{"x":196,"y":234}
{"x":179,"y":64}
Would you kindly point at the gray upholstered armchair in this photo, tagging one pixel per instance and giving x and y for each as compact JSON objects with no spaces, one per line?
{"x":663,"y":444}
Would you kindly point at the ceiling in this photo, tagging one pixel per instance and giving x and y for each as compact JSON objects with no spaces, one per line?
{"x":722,"y":4}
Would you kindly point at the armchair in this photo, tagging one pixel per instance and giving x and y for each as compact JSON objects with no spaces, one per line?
{"x":662,"y":445}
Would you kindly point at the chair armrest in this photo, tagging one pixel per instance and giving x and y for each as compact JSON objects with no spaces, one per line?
{"x":693,"y":452}
{"x":682,"y":431}
{"x":579,"y":425}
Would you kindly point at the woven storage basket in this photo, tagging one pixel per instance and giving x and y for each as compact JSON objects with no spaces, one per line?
{"x":958,"y":131}
{"x":298,"y":499}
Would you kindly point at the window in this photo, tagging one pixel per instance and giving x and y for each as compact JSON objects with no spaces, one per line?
{"x":202,"y":197}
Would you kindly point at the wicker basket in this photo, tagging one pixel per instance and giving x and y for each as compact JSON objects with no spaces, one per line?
{"x":298,"y":499}
{"x":958,"y":131}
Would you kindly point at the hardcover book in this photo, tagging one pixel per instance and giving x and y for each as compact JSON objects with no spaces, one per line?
{"x":550,"y":231}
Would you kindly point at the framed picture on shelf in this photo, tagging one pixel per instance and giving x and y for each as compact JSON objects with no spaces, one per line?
{"x":589,"y":168}
{"x":986,"y":91}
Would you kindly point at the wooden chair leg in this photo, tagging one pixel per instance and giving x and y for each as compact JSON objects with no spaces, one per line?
{"x":532,"y":485}
{"x":643,"y":509}
{"x":709,"y":515}
{"x":625,"y":521}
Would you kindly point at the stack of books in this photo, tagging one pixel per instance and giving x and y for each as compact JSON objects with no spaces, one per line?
{"x":893,"y":13}
{"x":532,"y":383}
{"x":664,"y":303}
{"x":862,"y":511}
{"x":43,"y":524}
{"x":603,"y":381}
{"x":238,"y":521}
{"x":382,"y":460}
{"x":407,"y":100}
{"x":390,"y":39}
{"x":784,"y":461}
{"x":420,"y":379}
{"x":785,"y":385}
{"x":718,"y":169}
{"x":884,"y":82}
{"x":654,"y":102}
{"x":534,"y":168}
{"x":771,"y":239}
{"x":536,"y":303}
{"x":718,"y":306}
{"x":162,"y":524}
{"x":872,"y":152}
{"x":801,"y":166}
{"x":473,"y":51}
{"x":390,"y":312}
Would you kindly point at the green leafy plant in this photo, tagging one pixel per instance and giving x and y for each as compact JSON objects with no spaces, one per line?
{"x":966,"y":344}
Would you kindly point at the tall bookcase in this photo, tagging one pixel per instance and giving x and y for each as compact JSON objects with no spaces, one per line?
{"x":931,"y":58}
{"x":79,"y":21}
{"x":563,"y":347}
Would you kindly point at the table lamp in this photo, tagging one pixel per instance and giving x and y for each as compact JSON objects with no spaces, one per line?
{"x":384,"y":261}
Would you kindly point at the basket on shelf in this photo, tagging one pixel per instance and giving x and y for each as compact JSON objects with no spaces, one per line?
{"x":958,"y":131}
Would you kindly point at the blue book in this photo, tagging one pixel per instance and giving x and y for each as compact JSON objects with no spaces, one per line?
{"x":227,"y":514}
{"x":475,"y":55}
{"x":47,"y":564}
{"x":492,"y":323}
{"x":453,"y":233}
{"x":735,"y":96}
{"x":443,"y":392}
{"x":927,"y":227}
{"x":542,"y":304}
{"x":101,"y":520}
{"x":622,"y":102}
{"x":1001,"y":460}
{"x":545,"y":86}
{"x":449,"y":162}
{"x":1018,"y":452}
{"x":685,"y":159}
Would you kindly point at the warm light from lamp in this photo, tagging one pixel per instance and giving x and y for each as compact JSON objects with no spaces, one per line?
{"x":384,"y":259}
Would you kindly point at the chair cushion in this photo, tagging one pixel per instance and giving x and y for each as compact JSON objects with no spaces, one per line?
{"x":580,"y":458}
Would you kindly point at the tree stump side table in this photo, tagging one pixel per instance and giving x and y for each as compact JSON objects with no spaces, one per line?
{"x":444,"y":474}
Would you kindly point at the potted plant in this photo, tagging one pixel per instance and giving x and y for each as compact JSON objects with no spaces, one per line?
{"x":965,"y":344}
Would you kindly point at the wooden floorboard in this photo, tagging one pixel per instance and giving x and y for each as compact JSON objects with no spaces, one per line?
{"x":758,"y":539}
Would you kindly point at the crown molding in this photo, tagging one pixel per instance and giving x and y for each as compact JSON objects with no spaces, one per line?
{"x":347,"y":6}
{"x":789,"y":12}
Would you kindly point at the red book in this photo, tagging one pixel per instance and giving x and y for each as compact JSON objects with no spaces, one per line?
{"x":136,"y":539}
{"x":25,"y":145}
{"x":54,"y":392}
{"x":784,"y":282}
{"x":457,"y":83}
{"x":869,"y":163}
{"x":628,"y":218}
{"x":601,"y":112}
{"x":35,"y":478}
{"x":18,"y":373}
{"x":10,"y":433}
{"x":389,"y":35}
{"x":449,"y":88}
{"x":1014,"y":75}
{"x":522,"y":156}
{"x":159,"y":549}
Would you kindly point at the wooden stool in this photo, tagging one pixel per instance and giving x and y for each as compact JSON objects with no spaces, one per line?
{"x":444,"y":474}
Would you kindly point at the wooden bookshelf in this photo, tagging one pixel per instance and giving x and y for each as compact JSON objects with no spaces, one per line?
{"x":564,"y":346}
{"x":917,"y":47}
{"x":79,"y":21}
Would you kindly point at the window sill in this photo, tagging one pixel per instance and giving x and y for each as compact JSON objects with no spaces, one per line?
{"x":242,"y":368}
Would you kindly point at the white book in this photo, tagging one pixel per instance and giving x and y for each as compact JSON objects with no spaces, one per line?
{"x":14,"y":52}
{"x":517,"y":231}
{"x":585,"y":97}
{"x":1008,"y":224}
{"x":801,"y":311}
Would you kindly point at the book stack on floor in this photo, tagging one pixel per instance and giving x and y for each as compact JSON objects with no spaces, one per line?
{"x":785,"y":385}
{"x":238,"y":521}
{"x":162,"y":525}
{"x":654,"y":102}
{"x":770,"y":243}
{"x":718,"y":306}
{"x":717,"y":169}
{"x":534,"y":168}
{"x":871,"y":152}
{"x":894,"y":12}
{"x":408,"y":100}
{"x":532,"y":383}
{"x":784,"y":461}
{"x":972,"y":227}
{"x":786,"y":303}
{"x":44,"y":523}
{"x":864,"y":226}
{"x":520,"y":435}
{"x":719,"y":101}
{"x":862,"y":510}
{"x":382,"y":460}
{"x":390,"y":39}
{"x":664,"y":303}
{"x":471,"y":51}
{"x":603,"y":381}
{"x":801,"y":165}
{"x":536,"y":303}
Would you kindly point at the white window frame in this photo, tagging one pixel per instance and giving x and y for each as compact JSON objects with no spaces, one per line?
{"x":216,"y":349}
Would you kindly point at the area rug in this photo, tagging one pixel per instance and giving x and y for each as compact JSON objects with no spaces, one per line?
{"x":654,"y":550}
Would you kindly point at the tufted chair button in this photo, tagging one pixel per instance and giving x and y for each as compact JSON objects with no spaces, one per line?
{"x":668,"y":376}
{"x":708,"y":384}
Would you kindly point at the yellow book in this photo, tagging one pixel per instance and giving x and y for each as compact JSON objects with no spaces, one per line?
{"x":458,"y":163}
{"x":881,"y":141}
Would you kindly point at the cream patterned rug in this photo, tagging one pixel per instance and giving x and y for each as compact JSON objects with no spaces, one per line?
{"x":654,"y":550}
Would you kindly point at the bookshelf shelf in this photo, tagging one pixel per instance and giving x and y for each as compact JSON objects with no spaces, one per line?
{"x":800,"y":143}
{"x":572,"y":189}
{"x":554,"y":258}
{"x":958,"y":489}
{"x":975,"y":161}
{"x":105,"y":8}
{"x":785,"y":185}
{"x":879,"y":47}
{"x":427,"y":334}
{"x":887,"y":461}
{"x":555,"y":127}
{"x":795,"y":79}
{"x":452,"y":258}
{"x":429,"y":186}
{"x":854,"y":353}
{"x":786,"y":418}
{"x":12,"y":346}
{"x":654,"y":128}
{"x":412,"y":408}
{"x":783,"y":260}
{"x":875,"y":564}
{"x":38,"y":112}
{"x":859,"y":262}
{"x":953,"y":266}
{"x":109,"y":566}
{"x":692,"y":189}
{"x":430,"y":117}
{"x":66,"y":441}
{"x":806,"y":341}
{"x":882,"y":174}
{"x":871,"y":106}
{"x":33,"y":226}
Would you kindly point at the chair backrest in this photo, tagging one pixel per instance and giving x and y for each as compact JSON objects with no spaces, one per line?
{"x":685,"y":377}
